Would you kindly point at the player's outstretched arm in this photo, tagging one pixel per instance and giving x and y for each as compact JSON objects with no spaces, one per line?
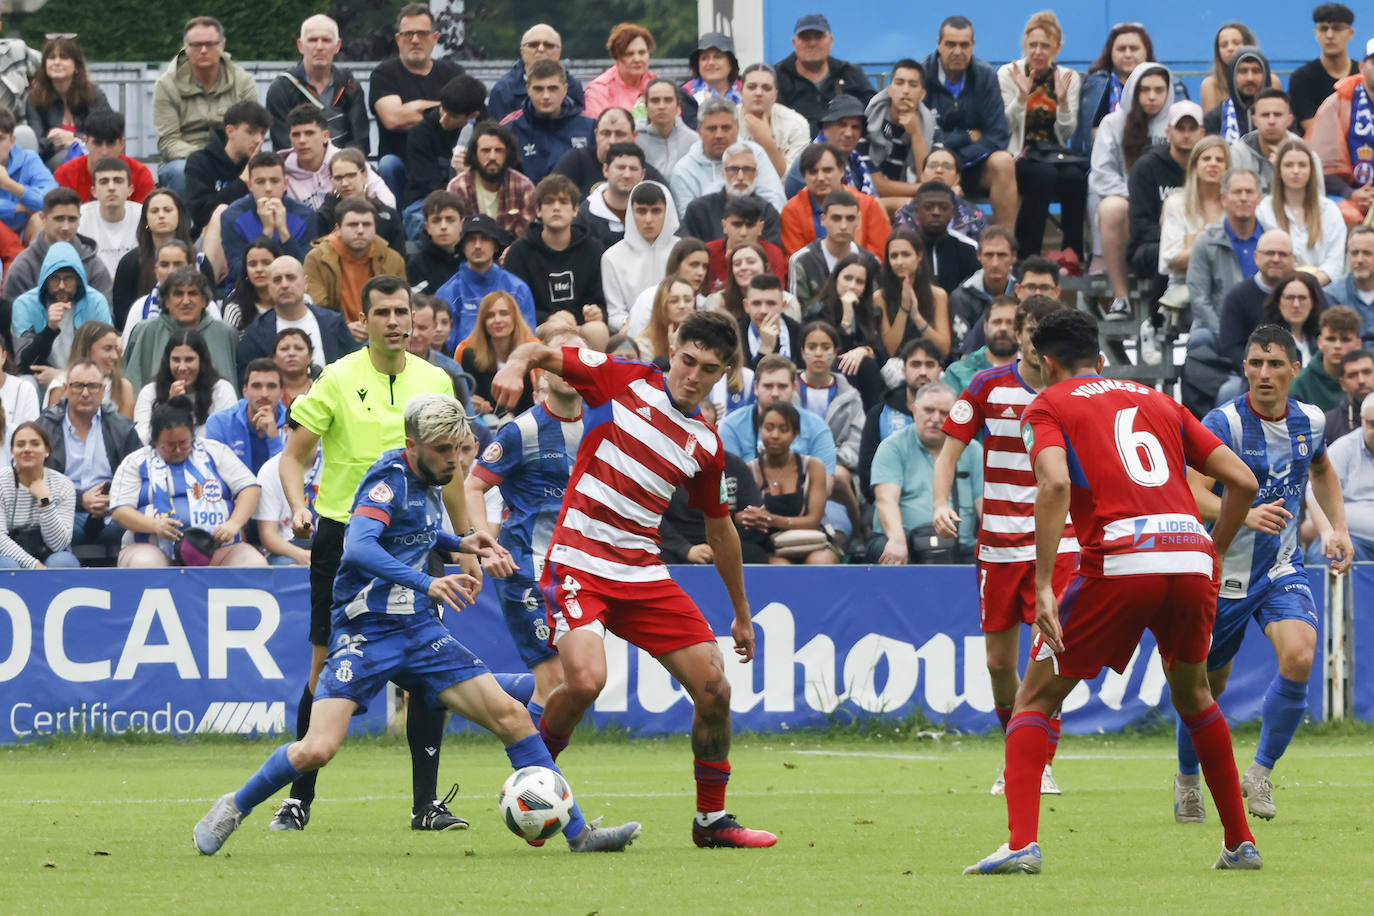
{"x":1236,"y":499}
{"x":1051,"y":511}
{"x":296,"y":456}
{"x":723,"y":540}
{"x":509,"y":383}
{"x":1326,"y":487}
{"x":945,"y":519}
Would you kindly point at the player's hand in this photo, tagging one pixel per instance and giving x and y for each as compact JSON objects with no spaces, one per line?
{"x":1268,"y":518}
{"x":894,"y":553}
{"x":1047,"y":619}
{"x":699,"y":553}
{"x":946,"y":522}
{"x":743,"y":633}
{"x":491,"y":556}
{"x":302,"y":522}
{"x":456,"y":591}
{"x":509,"y":384}
{"x":1337,"y":547}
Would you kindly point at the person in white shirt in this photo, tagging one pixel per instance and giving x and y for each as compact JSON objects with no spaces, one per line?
{"x":19,"y":399}
{"x":273,"y":514}
{"x":110,"y":220}
{"x":1297,"y":204}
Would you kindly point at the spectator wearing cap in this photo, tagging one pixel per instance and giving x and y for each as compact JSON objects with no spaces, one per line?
{"x":702,"y":170}
{"x":621,"y":84}
{"x":1334,"y":27}
{"x":842,"y":126}
{"x":715,"y":69}
{"x":491,"y":181}
{"x":481,"y":244}
{"x":809,"y":77}
{"x":964,"y":94}
{"x":1342,"y":135}
{"x":663,"y":135}
{"x":1159,"y":172}
{"x":548,"y":123}
{"x":340,"y":263}
{"x":781,"y":132}
{"x":898,"y":133}
{"x":508,"y":93}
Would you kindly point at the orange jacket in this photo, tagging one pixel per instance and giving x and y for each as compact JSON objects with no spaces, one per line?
{"x":1330,"y":128}
{"x":799,"y":229}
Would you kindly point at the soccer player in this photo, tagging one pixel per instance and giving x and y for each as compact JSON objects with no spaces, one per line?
{"x":530,"y":460}
{"x":1283,"y":442}
{"x":993,"y":402}
{"x":383,"y":629}
{"x":642,"y":438}
{"x":1115,"y":452}
{"x":355,"y":410}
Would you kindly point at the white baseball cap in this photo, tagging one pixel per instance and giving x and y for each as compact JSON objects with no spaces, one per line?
{"x":1184,"y":108}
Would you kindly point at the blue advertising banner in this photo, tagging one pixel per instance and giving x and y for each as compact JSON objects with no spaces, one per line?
{"x":1362,"y":614}
{"x":192,"y":651}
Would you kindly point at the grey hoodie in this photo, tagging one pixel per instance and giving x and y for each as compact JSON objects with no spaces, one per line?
{"x":1109,"y":172}
{"x":880,"y":145}
{"x":1214,"y":121}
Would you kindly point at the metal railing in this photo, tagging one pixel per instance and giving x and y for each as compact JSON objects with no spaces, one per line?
{"x":129,"y":86}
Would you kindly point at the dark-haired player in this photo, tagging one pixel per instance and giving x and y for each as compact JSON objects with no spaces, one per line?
{"x":642,"y":438}
{"x":1116,"y":452}
{"x":1282,"y":441}
{"x":385,"y":627}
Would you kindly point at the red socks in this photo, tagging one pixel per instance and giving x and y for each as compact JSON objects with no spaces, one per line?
{"x":1003,"y":716}
{"x":1212,"y":741}
{"x":1054,"y":738}
{"x":712,"y":777}
{"x":555,"y":743}
{"x":1030,"y":737}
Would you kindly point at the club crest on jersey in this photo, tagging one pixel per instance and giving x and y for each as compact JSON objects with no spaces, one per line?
{"x":690,"y":445}
{"x":344,"y":673}
{"x":381,"y":493}
{"x":961,"y":412}
{"x":211,"y":491}
{"x":1027,"y":434}
{"x":492,"y":453}
{"x":591,"y":358}
{"x":1302,"y":446}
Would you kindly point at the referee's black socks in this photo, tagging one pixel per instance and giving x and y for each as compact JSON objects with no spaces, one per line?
{"x":424,"y":734}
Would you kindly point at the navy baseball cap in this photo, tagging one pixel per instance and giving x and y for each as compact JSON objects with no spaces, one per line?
{"x":811,"y":22}
{"x":841,"y":107}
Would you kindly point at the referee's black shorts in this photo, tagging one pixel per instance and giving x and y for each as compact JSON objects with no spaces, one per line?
{"x":326,"y":552}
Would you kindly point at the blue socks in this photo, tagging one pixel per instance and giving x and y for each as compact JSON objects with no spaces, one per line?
{"x":536,"y":712}
{"x":520,"y":686}
{"x":1284,"y":705}
{"x":1187,"y":756}
{"x":275,"y":772}
{"x":531,"y":752}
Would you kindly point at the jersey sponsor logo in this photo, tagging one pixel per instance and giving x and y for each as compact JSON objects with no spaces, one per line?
{"x":362,"y":395}
{"x":492,"y":453}
{"x":381,"y":493}
{"x":591,"y":358}
{"x":1151,"y":533}
{"x":961,"y":412}
{"x":1027,"y":437}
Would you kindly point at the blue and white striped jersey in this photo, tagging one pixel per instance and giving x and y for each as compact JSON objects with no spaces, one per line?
{"x":1278,"y":451}
{"x":530,"y":460}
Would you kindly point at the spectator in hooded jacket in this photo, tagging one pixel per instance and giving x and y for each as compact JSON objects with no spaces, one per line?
{"x":1248,"y":75}
{"x":45,"y":318}
{"x":637,"y":262}
{"x":217,"y":175}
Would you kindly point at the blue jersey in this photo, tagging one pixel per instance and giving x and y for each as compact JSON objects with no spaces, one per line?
{"x":530,"y":460}
{"x":1278,"y":452}
{"x":395,"y":521}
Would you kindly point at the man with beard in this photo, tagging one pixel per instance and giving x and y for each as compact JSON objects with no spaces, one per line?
{"x":491,"y":183}
{"x":998,"y":349}
{"x":702,"y":170}
{"x":903,"y":470}
{"x":919,"y":360}
{"x":1357,"y":381}
{"x":1249,"y":74}
{"x":603,"y":210}
{"x":47,"y":316}
{"x":703,"y":216}
{"x":994,"y":401}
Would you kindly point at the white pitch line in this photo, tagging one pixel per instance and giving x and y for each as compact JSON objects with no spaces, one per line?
{"x":1163,"y":755}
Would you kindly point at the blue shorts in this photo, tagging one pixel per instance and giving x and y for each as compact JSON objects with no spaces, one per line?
{"x":416,"y":652}
{"x":522,"y":604}
{"x":1289,"y":598}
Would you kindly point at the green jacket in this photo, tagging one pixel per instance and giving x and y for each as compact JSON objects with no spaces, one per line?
{"x":958,"y":375}
{"x":184,"y":114}
{"x":1314,"y":385}
{"x":150,"y":338}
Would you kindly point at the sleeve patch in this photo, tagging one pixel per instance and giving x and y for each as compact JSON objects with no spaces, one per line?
{"x":381,"y":493}
{"x":591,"y":358}
{"x":961,"y":412}
{"x":492,"y":453}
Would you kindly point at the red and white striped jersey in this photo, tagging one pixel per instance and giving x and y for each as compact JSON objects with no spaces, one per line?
{"x":637,"y":448}
{"x":1127,"y":448}
{"x":994,"y":400}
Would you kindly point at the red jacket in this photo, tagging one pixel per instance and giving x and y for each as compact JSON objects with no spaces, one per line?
{"x":716,"y":270}
{"x":76,"y":174}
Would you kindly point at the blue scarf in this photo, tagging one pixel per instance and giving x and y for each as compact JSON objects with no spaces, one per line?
{"x":701,"y":90}
{"x":1114,"y":90}
{"x":1361,"y":137}
{"x":1230,"y":128}
{"x":191,"y":492}
{"x":856,"y":174}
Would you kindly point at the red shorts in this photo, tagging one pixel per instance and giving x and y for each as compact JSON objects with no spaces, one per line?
{"x":658,"y":617}
{"x":1103,"y":620}
{"x":1006,"y":591}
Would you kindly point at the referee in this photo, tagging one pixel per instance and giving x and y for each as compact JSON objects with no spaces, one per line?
{"x":356,"y":411}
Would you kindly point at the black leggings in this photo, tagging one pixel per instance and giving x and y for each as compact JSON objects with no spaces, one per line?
{"x":1041,"y":184}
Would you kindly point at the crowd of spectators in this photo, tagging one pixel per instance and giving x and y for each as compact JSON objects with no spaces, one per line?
{"x":875,"y":248}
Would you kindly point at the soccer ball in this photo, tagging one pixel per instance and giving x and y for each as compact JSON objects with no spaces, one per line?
{"x":535,"y":803}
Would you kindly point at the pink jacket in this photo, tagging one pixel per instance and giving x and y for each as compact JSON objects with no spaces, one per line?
{"x":609,"y":91}
{"x":310,"y":188}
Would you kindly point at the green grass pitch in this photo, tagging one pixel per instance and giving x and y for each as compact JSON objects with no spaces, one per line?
{"x":866,"y":824}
